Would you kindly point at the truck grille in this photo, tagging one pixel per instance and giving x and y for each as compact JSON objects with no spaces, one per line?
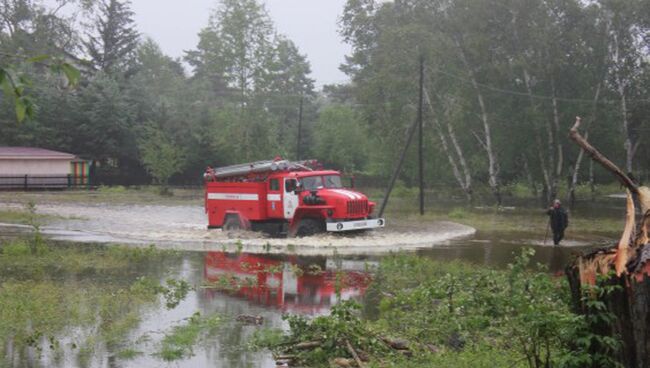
{"x":359,"y":207}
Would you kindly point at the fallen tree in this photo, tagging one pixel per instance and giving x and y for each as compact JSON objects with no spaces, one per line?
{"x":619,"y":276}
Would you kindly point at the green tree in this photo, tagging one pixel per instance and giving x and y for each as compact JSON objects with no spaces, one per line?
{"x":160,"y":155}
{"x":287,"y":87}
{"x":339,"y":137}
{"x":253,"y":81}
{"x":33,"y":39}
{"x":235,"y":46}
{"x":113,"y":42}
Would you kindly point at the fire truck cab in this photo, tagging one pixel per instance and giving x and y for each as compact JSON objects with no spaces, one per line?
{"x":283,"y":197}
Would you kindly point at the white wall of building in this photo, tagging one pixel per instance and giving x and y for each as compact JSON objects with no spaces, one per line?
{"x":38,"y":167}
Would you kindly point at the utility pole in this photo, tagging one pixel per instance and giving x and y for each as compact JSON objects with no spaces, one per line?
{"x":409,"y":137}
{"x":299,"y":128}
{"x":420,"y":141}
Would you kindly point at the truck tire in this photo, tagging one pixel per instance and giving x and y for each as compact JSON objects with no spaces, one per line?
{"x":232,"y":223}
{"x":309,"y":227}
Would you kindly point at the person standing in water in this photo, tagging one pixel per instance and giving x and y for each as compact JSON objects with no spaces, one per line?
{"x":559,"y":220}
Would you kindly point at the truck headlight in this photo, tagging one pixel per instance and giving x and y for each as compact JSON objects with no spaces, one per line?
{"x":339,"y":226}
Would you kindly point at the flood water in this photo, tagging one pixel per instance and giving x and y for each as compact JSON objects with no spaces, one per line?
{"x":273,"y":285}
{"x":269,"y":285}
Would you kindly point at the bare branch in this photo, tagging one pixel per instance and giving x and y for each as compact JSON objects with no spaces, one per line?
{"x":625,"y":180}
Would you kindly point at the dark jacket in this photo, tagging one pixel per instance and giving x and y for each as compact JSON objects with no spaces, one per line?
{"x":559,"y":218}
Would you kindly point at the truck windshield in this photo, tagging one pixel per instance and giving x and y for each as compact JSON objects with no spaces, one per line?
{"x":312,"y":183}
{"x":332,"y":181}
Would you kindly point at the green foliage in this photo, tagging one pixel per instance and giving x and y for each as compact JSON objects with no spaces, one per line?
{"x":17,"y":259}
{"x":128,"y":354}
{"x":117,"y":189}
{"x":342,"y":325}
{"x":178,"y":343}
{"x":339,"y":138}
{"x":266,"y":338}
{"x":457,"y":214}
{"x":593,"y":346}
{"x":174,"y":292}
{"x":536,"y":65}
{"x":402,"y":191}
{"x":14,"y":85}
{"x":160,"y":155}
{"x":114,"y":39}
{"x":36,"y":244}
{"x":453,"y":314}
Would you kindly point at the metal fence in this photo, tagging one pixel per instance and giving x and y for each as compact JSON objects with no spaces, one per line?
{"x":27,"y":182}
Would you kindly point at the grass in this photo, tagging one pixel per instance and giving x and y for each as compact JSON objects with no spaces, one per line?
{"x":17,"y":259}
{"x":23,"y":217}
{"x":113,"y":195}
{"x":179,"y":342}
{"x":128,"y":354}
{"x":586,"y":222}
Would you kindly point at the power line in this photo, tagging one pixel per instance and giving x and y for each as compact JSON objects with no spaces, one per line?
{"x":524,"y":94}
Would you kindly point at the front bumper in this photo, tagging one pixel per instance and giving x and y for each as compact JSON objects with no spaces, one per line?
{"x":339,"y":226}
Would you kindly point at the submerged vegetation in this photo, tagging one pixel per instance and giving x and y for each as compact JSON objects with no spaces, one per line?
{"x":422,"y":313}
{"x":179,"y":342}
{"x":74,"y":297}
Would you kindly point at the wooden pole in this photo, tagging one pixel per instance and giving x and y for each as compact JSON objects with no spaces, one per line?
{"x":299,"y":129}
{"x":420,"y":136}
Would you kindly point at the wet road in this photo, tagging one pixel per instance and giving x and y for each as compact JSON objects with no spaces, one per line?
{"x":183,"y":228}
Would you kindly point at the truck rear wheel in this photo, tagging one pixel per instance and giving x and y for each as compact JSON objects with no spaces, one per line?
{"x":232,"y":223}
{"x":309,"y":227}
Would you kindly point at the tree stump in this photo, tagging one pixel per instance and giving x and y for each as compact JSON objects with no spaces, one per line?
{"x":626,"y":266}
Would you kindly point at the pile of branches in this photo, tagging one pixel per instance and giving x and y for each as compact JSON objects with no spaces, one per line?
{"x":340,"y":339}
{"x":624,"y":268}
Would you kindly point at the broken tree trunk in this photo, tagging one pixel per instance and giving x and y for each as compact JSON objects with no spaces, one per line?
{"x":626,"y":265}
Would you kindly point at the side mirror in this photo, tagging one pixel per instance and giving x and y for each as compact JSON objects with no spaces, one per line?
{"x":297,"y":188}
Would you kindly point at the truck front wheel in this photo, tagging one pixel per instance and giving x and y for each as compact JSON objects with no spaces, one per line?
{"x":309,"y":227}
{"x":232,"y":223}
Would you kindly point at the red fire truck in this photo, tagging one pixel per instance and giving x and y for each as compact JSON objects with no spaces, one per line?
{"x":283,"y":197}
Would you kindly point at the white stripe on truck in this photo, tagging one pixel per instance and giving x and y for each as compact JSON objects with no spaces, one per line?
{"x":347,"y":193}
{"x":273,"y":197}
{"x":234,"y":196}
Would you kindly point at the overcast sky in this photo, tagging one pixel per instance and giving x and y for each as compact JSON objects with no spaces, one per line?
{"x":311,"y":24}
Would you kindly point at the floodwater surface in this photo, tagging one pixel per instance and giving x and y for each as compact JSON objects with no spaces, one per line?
{"x":240,"y":282}
{"x":184,"y":227}
{"x":229,"y":288}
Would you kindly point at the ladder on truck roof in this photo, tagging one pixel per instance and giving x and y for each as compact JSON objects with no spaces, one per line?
{"x":259,"y":167}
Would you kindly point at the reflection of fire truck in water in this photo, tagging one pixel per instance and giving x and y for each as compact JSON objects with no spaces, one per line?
{"x":294,"y":284}
{"x":284,"y":197}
